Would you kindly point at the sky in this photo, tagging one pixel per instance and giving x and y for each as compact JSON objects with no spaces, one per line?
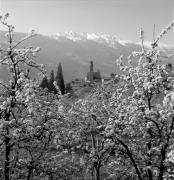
{"x":122,"y":18}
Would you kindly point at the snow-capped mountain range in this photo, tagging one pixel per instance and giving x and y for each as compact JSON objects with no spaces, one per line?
{"x":75,"y":51}
{"x":110,"y":40}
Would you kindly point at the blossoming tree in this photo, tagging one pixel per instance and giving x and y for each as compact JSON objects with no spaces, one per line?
{"x":29,"y":117}
{"x":132,"y":121}
{"x":142,"y":122}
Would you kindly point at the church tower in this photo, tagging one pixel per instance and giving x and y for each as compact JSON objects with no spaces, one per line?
{"x":93,"y":76}
{"x":91,"y":71}
{"x":91,"y":66}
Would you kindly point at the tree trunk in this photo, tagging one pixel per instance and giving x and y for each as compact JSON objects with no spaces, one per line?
{"x":163,"y":155}
{"x":97,"y":173}
{"x":29,"y":173}
{"x":131,"y":158}
{"x":7,"y":159}
{"x":149,"y":163}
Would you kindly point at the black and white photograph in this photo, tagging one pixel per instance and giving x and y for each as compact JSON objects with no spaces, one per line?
{"x":86,"y":89}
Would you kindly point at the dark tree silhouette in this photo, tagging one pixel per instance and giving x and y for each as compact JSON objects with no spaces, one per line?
{"x":51,"y":83}
{"x":44,"y":84}
{"x":60,"y":79}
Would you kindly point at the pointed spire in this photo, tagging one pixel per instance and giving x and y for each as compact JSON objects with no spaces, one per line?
{"x":91,"y":66}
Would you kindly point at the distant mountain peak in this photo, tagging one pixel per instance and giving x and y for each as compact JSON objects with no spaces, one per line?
{"x":110,"y":40}
{"x":71,"y":35}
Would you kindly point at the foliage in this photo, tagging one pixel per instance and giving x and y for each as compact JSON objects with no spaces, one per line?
{"x":120,"y":130}
{"x":29,"y":117}
{"x":132,"y":121}
{"x":45,"y":83}
{"x":51,"y":86}
{"x":59,"y":79}
{"x":141,"y":126}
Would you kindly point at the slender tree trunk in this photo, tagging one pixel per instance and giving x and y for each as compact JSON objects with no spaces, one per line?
{"x":97,"y":173}
{"x":131,"y":158}
{"x":163,"y":156}
{"x":149,"y":163}
{"x":161,"y":171}
{"x":149,"y":144}
{"x":7,"y":159}
{"x":92,"y":174}
{"x":163,"y":152}
{"x":150,"y":174}
{"x":29,"y":173}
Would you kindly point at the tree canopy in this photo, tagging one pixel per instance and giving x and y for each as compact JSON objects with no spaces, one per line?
{"x":121,"y":130}
{"x":59,"y":79}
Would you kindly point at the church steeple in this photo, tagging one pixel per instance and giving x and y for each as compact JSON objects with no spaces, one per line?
{"x":93,"y":76}
{"x":91,"y":66}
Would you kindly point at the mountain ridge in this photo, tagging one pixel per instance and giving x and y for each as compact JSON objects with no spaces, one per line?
{"x":75,"y":51}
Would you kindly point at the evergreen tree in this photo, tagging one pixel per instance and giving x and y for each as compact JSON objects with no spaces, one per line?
{"x":51,"y":83}
{"x":44,"y":84}
{"x":60,"y":79}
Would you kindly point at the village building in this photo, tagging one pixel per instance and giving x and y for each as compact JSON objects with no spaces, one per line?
{"x":93,"y":76}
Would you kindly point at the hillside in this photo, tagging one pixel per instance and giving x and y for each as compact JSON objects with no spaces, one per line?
{"x":75,"y":50}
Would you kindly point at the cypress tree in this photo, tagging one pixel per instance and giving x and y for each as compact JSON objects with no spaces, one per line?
{"x":60,"y":79}
{"x":44,"y":84}
{"x":51,"y":83}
